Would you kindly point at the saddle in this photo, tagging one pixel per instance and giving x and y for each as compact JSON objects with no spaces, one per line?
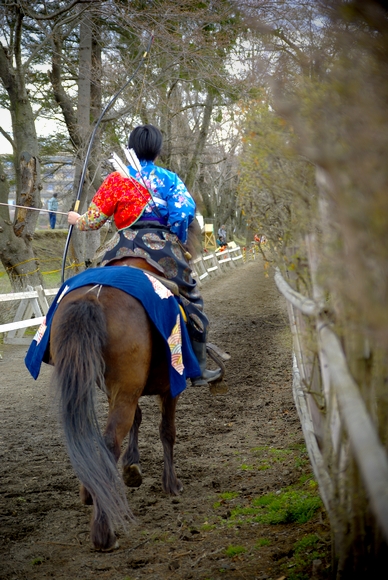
{"x":218,"y":355}
{"x":143,"y":264}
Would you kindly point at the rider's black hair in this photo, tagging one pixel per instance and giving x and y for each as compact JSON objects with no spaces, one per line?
{"x":147,"y":142}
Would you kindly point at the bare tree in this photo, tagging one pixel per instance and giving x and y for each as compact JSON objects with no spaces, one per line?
{"x":184,"y":89}
{"x":20,"y":21}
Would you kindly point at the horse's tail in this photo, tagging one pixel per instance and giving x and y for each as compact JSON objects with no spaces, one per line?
{"x":77,"y":342}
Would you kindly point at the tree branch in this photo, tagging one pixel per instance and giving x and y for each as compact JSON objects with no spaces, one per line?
{"x":37,"y":16}
{"x":8,"y":137}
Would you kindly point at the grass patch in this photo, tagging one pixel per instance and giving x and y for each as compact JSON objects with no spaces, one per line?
{"x":228,"y":495}
{"x":263,"y":458}
{"x":232,"y":551}
{"x":306,"y":550}
{"x":294,"y":504}
{"x":279,"y":454}
{"x":206,"y":527}
{"x":37,"y":561}
{"x":263,"y":466}
{"x":262,"y":542}
{"x":246,"y":467}
{"x":289,"y":506}
{"x":225,"y":497}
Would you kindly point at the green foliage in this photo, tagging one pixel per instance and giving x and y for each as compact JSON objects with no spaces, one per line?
{"x":300,"y":462}
{"x":277,"y":192}
{"x":225,"y":497}
{"x":293,"y":504}
{"x":305,"y":551}
{"x":288,"y":506}
{"x":263,"y":542}
{"x":37,"y":561}
{"x":206,"y":527}
{"x":229,"y":495}
{"x":264,"y":466}
{"x":246,"y":467}
{"x":232,"y":551}
{"x":267,"y":457}
{"x":54,"y":144}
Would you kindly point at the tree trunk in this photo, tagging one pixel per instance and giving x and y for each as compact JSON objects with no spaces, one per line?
{"x":200,"y":144}
{"x":16,"y":251}
{"x":82,"y":246}
{"x":83,"y":118}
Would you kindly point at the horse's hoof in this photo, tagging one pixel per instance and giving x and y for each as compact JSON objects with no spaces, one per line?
{"x":220,"y":388}
{"x":115,"y":546}
{"x":132,"y":475}
{"x":173,"y":489}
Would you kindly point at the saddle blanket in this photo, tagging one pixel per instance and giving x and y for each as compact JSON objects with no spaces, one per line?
{"x":157,"y":300}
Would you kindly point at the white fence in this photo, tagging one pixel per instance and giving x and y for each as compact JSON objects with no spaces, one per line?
{"x":33,"y":304}
{"x":210,"y":265}
{"x":32,"y":308}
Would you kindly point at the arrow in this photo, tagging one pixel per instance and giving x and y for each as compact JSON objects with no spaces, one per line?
{"x":34,"y":208}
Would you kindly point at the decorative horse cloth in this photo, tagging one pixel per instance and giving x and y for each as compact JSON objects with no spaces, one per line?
{"x":160,"y":305}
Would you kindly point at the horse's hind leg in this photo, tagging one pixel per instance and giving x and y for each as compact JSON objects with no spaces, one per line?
{"x":85,"y":496}
{"x":167,"y":431}
{"x":118,"y":424}
{"x":121,"y":416}
{"x":131,"y":458}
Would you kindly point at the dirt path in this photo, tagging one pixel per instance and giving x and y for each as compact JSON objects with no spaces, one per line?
{"x":231,"y":449}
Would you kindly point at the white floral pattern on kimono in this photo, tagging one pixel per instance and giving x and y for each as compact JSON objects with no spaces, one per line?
{"x":177,"y":206}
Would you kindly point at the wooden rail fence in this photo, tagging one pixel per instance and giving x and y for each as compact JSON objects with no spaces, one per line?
{"x":342,"y":437}
{"x":33,"y":304}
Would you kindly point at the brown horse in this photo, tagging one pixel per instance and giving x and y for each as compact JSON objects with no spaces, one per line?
{"x":102,"y":335}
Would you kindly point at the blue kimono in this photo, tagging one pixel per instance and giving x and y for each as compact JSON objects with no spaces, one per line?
{"x":175,"y":206}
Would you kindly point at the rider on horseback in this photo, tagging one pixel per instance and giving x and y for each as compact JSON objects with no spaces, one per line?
{"x":152,"y":211}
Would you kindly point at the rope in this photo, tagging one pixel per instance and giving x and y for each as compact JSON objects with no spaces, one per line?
{"x":10,"y":268}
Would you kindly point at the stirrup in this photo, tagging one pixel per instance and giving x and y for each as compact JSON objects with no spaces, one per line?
{"x":199,"y":382}
{"x":207,"y":378}
{"x":212,"y":376}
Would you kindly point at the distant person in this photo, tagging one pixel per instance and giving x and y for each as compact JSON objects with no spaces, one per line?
{"x":222,"y":233}
{"x":52,"y":206}
{"x":220,"y":243}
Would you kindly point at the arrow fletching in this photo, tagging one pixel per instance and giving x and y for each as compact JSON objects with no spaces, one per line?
{"x":134,"y":162}
{"x":119,"y":165}
{"x":133,"y":159}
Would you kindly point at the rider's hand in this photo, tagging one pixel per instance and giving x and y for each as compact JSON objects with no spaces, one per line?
{"x":72,"y":217}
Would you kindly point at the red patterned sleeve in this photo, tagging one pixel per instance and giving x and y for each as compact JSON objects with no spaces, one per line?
{"x":112,"y":189}
{"x":119,"y":196}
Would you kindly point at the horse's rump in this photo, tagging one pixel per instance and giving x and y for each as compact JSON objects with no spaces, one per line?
{"x":121,"y":328}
